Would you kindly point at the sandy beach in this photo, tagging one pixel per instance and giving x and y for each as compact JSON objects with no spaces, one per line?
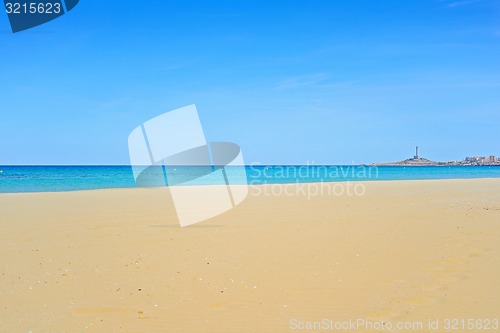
{"x":117,"y":261}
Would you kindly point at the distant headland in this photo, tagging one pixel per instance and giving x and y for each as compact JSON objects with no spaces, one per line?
{"x":417,"y":160}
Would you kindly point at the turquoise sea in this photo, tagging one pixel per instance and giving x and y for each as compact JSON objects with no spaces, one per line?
{"x":18,"y":179}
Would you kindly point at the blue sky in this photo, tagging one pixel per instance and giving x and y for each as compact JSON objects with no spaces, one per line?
{"x":325,"y":82}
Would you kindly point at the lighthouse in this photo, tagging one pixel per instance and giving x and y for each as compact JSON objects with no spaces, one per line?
{"x":416,"y":154}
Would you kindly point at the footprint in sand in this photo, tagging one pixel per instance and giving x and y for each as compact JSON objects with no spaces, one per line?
{"x":383,"y":315}
{"x":446,"y":275}
{"x":95,"y":311}
{"x":478,"y":252}
{"x":432,"y":287}
{"x":420,"y":300}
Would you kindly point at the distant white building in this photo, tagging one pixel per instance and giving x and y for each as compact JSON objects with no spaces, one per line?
{"x":482,"y":159}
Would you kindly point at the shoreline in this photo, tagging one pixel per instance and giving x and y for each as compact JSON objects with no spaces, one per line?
{"x":436,"y":164}
{"x":257,"y":185}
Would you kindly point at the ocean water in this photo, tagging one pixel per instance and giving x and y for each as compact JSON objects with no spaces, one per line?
{"x":18,"y":179}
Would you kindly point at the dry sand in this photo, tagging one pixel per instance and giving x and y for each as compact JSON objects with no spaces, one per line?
{"x":116,"y":260}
